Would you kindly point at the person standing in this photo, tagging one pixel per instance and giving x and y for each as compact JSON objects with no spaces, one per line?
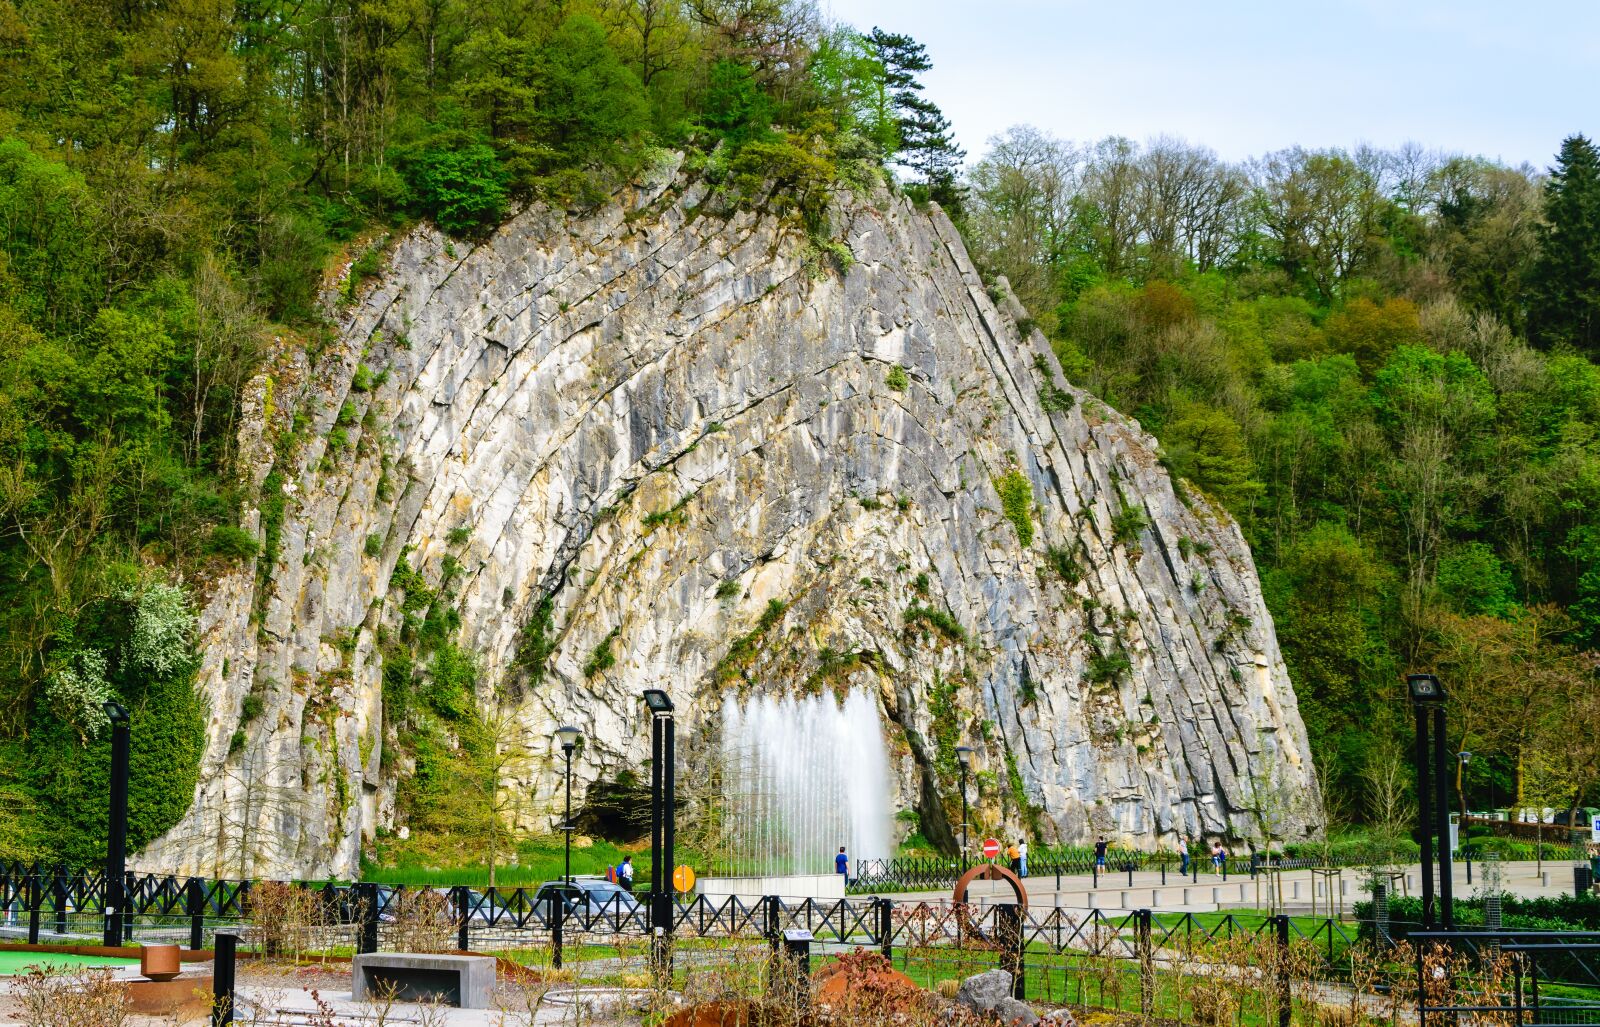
{"x":1022,"y":857}
{"x":841,"y":865}
{"x":1218,"y":855}
{"x":625,"y":874}
{"x":1183,"y":856}
{"x":1015,"y":857}
{"x":1100,"y":852}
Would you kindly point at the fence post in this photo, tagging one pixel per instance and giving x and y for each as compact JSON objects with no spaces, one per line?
{"x":368,"y":940}
{"x":35,"y":905}
{"x":128,"y":902}
{"x":222,"y":979}
{"x":886,"y":928}
{"x":1009,"y":936}
{"x":61,"y":898}
{"x":1285,"y":996}
{"x":463,"y":916}
{"x":1147,"y":968}
{"x":194,"y":901}
{"x":1097,"y":873}
{"x":558,"y":916}
{"x":792,"y":968}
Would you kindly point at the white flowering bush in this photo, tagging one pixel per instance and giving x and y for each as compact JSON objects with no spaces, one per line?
{"x":163,"y":624}
{"x":77,"y":688}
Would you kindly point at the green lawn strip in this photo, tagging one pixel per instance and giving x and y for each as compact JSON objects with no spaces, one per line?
{"x":442,"y":862}
{"x":20,"y":962}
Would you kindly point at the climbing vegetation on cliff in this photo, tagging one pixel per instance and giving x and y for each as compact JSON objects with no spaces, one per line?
{"x":1016,"y":502}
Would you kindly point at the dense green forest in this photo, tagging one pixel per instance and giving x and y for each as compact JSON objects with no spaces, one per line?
{"x":1380,"y":362}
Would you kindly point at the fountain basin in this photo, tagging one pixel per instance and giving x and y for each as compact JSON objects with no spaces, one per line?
{"x":788,"y":886}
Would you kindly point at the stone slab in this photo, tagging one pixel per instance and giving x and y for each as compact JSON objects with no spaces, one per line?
{"x":464,"y":981}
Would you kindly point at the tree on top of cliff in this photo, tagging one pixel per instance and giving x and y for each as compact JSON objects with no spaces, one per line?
{"x":1566,"y":277}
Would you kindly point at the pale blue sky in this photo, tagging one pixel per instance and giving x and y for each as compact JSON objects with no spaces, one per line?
{"x":1506,"y":79}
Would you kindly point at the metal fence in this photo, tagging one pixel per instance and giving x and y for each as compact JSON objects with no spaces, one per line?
{"x":1181,"y":966}
{"x":1508,"y":977}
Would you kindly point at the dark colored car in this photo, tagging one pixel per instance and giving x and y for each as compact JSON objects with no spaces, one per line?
{"x":584,"y":896}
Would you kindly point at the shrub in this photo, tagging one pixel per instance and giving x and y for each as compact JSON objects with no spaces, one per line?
{"x":897,"y":379}
{"x":462,"y":189}
{"x":1016,"y":501}
{"x":1127,"y":525}
{"x":602,"y":659}
{"x":939,"y":620}
{"x":1106,"y":668}
{"x":232,"y":543}
{"x":374,"y":544}
{"x":1061,"y":561}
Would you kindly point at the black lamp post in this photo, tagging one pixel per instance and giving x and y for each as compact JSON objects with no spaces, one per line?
{"x":1433,"y":800}
{"x":964,"y":757}
{"x":1461,"y":783}
{"x":568,"y":736}
{"x":117,"y":826}
{"x":663,"y":827}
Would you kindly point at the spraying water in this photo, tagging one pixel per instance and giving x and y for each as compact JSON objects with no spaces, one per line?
{"x":801,"y":777}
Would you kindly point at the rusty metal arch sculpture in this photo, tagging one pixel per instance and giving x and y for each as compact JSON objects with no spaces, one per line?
{"x":984,"y":872}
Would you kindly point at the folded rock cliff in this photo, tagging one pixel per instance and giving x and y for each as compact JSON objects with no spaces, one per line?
{"x":732,"y":458}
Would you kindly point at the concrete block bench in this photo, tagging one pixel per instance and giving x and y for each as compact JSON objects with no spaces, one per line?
{"x":464,"y":981}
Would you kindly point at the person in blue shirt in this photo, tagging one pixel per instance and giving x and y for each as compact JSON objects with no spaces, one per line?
{"x":841,"y":865}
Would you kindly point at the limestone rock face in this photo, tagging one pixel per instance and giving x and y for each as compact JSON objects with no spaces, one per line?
{"x":734,"y":460}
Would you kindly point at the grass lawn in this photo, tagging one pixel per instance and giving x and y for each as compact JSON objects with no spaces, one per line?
{"x":444,"y":861}
{"x":12,"y":963}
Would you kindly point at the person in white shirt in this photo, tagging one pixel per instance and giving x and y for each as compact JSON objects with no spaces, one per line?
{"x":1022,"y":857}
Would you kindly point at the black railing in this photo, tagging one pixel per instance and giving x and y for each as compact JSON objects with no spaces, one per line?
{"x":1515,"y":977}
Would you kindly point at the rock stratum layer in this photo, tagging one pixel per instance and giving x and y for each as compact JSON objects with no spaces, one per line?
{"x":634,"y":430}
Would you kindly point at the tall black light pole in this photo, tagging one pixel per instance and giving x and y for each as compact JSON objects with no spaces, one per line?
{"x":117,"y":827}
{"x":663,"y":826}
{"x":964,"y":757}
{"x":1433,"y":802}
{"x":568,"y":736}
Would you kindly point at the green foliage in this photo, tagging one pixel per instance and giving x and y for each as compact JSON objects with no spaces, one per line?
{"x":1061,"y":561}
{"x":1473,"y":580}
{"x":458,"y":536}
{"x":463,"y":189}
{"x":538,"y":642}
{"x":603,"y":658}
{"x":1565,"y":279}
{"x":232,"y":543}
{"x":941,"y":621}
{"x":728,"y":588}
{"x":1016,"y":502}
{"x":897,"y":379}
{"x":744,"y":649}
{"x":1106,"y":669}
{"x":735,"y":107}
{"x":148,"y":663}
{"x":373,"y":546}
{"x":1128,"y":523}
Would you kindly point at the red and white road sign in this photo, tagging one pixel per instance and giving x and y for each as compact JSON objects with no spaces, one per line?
{"x":991,"y":848}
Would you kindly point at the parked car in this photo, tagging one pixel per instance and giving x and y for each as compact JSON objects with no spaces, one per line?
{"x":583,"y":896}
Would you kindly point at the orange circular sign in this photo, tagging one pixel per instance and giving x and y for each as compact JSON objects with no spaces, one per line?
{"x":683,"y":878}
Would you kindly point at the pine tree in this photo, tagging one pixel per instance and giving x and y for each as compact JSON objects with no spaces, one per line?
{"x":1565,"y":293}
{"x":925,"y":143}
